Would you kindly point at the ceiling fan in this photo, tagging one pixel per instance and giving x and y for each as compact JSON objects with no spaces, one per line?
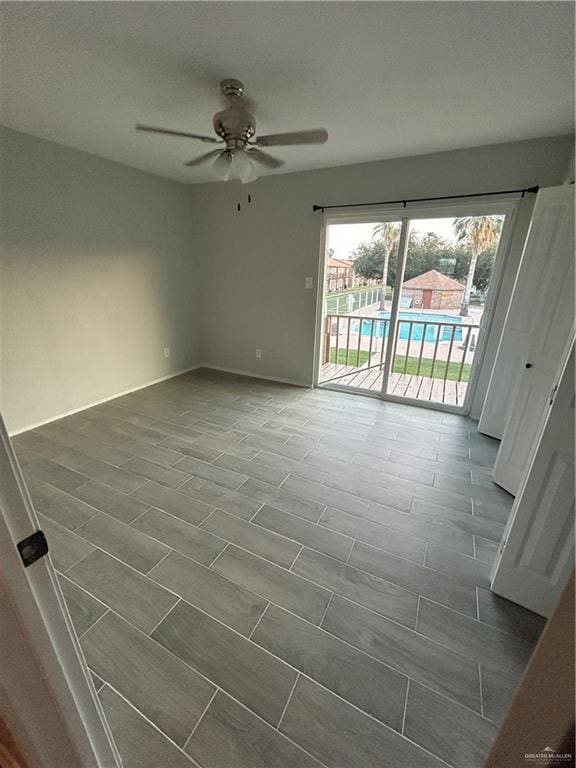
{"x":236,"y":128}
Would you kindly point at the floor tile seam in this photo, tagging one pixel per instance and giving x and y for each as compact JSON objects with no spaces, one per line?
{"x":245,"y":474}
{"x":374,"y":719}
{"x":228,"y":544}
{"x":106,"y":612}
{"x":138,"y":516}
{"x":276,"y":488}
{"x":326,"y":609}
{"x":254,"y":515}
{"x":352,"y":545}
{"x":425,"y":486}
{"x":126,"y":565}
{"x":197,"y":562}
{"x":528,"y":645}
{"x":332,"y":636}
{"x":263,"y":437}
{"x":255,"y":627}
{"x":262,"y":648}
{"x":197,"y":526}
{"x":69,"y":568}
{"x":270,"y":562}
{"x":254,"y":714}
{"x":322,"y":485}
{"x":171,"y":514}
{"x":137,"y":530}
{"x":298,"y":518}
{"x":149,"y":633}
{"x":288,"y":700}
{"x":403,"y":726}
{"x":82,"y":589}
{"x":388,"y":527}
{"x":185,"y":496}
{"x":406,"y":560}
{"x":481,"y":690}
{"x":37,"y":507}
{"x":296,"y":558}
{"x":197,"y":723}
{"x":164,"y":557}
{"x":152,"y":724}
{"x":454,"y":581}
{"x":412,"y":592}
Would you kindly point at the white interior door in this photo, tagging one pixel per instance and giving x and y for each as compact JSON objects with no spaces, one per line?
{"x":548,"y":252}
{"x":545,"y":304}
{"x":537,"y":553}
{"x":46,"y":696}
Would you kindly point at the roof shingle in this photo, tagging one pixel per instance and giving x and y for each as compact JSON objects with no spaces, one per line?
{"x":433,"y":280}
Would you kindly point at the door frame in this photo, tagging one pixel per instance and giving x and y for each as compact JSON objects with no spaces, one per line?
{"x":506,"y":205}
{"x":47,"y":696}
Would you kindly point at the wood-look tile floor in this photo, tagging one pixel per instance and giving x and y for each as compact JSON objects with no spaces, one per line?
{"x":263,"y":576}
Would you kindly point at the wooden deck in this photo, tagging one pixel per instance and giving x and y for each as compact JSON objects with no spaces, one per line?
{"x":401,"y":385}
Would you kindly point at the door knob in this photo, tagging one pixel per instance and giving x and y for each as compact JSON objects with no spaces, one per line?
{"x":528,"y":365}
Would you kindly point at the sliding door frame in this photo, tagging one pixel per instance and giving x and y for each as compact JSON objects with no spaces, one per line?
{"x":505,"y":205}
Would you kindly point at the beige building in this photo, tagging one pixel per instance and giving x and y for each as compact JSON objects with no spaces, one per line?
{"x":433,"y":290}
{"x":340,"y":275}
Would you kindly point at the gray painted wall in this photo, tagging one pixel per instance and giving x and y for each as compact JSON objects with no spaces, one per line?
{"x":253,"y":262}
{"x":103,"y":265}
{"x":97,"y":276}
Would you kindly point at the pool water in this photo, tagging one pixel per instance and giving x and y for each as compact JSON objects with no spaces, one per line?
{"x":382,"y":328}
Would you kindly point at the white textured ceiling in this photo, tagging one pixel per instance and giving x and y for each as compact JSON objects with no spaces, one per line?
{"x":386,"y":79}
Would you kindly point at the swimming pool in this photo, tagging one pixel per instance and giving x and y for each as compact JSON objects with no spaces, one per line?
{"x":382,"y":327}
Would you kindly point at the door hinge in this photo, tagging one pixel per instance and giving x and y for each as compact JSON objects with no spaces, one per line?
{"x":553,"y":394}
{"x":32,"y":548}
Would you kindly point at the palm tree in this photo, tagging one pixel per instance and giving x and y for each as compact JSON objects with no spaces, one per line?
{"x":479,"y":233}
{"x":389,"y":233}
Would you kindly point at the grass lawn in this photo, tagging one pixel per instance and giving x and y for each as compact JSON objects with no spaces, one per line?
{"x":357,"y":359}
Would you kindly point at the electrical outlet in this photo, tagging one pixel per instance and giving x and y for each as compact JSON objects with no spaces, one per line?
{"x":258,"y":353}
{"x":166,"y":351}
{"x":308,"y":283}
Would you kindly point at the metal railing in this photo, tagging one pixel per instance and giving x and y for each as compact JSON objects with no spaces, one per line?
{"x":423,"y":349}
{"x":353,"y":300}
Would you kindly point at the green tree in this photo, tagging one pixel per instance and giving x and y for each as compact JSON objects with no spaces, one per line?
{"x":388,"y":233}
{"x":483,"y":271}
{"x":369,"y":259}
{"x":479,"y":233}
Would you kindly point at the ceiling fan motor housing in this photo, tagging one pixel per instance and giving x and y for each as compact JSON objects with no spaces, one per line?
{"x":235,"y":124}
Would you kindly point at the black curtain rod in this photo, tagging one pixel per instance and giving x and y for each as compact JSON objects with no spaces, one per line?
{"x":428,"y":199}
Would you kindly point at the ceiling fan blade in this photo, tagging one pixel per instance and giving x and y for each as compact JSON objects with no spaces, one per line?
{"x":203,"y":158}
{"x":314,"y":136}
{"x":264,"y":158}
{"x":167,"y":131}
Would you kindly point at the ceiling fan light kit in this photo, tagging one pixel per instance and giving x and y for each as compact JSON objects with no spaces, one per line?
{"x":236,"y":128}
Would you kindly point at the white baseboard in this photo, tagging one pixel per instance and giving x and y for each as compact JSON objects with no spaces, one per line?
{"x":253,"y":375}
{"x":104,"y":400}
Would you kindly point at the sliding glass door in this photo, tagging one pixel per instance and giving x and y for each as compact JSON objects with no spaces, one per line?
{"x":406,"y":301}
{"x":358,"y":292}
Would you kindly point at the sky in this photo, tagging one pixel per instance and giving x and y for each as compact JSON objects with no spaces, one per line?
{"x":343,"y":238}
